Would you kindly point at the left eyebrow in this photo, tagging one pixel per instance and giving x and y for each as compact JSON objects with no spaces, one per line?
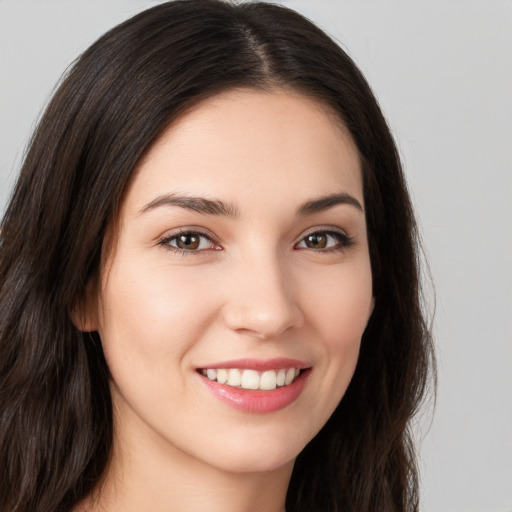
{"x":324,"y":203}
{"x":197,"y":204}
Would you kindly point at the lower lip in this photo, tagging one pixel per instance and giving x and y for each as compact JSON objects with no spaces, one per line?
{"x":258,"y":401}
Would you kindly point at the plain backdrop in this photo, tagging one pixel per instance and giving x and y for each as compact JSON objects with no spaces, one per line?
{"x":443,"y":74}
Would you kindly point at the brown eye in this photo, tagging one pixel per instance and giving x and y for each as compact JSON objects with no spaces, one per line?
{"x":316,"y":241}
{"x":325,"y":241}
{"x":188,"y":241}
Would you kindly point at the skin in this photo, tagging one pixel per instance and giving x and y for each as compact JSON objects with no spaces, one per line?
{"x":253,"y":289}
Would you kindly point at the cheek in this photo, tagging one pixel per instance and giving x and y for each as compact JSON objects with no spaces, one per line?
{"x":340,"y":308}
{"x":339,"y":312}
{"x":346,"y":317}
{"x":150,"y":316}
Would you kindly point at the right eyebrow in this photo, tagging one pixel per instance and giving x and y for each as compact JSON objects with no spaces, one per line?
{"x":197,"y":204}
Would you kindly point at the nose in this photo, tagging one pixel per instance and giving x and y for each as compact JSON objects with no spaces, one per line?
{"x":263,"y":299}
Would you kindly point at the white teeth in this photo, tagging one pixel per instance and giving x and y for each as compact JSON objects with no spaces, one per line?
{"x":252,"y":379}
{"x":222,"y":376}
{"x":268,"y":380}
{"x":235,"y":377}
{"x":290,"y":375}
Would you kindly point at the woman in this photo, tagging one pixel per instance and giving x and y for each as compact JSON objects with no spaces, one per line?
{"x":209,"y":290}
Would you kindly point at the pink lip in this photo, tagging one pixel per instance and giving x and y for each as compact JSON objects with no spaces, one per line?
{"x":257,"y":401}
{"x":261,"y":365}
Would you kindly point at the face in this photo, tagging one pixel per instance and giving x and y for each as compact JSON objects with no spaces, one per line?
{"x":232,"y":306}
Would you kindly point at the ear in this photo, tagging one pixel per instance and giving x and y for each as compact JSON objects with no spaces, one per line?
{"x":84,"y":314}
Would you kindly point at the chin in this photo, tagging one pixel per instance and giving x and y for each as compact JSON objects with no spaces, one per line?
{"x":258,"y":452}
{"x":255,"y":462}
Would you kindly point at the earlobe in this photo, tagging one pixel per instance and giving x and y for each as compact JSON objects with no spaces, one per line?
{"x":84,"y":314}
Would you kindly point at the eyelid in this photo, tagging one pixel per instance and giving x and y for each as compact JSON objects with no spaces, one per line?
{"x":189,"y":229}
{"x":322,"y":229}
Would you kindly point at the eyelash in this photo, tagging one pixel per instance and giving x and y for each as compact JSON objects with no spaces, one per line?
{"x":344,"y":241}
{"x":165,"y":242}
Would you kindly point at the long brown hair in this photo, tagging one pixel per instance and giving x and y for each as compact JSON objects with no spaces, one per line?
{"x":56,"y":411}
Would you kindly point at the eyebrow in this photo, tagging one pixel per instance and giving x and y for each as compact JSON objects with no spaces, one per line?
{"x":217,"y":207}
{"x":196,"y":204}
{"x":324,"y":203}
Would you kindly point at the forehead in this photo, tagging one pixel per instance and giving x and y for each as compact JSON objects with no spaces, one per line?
{"x":244,"y":143}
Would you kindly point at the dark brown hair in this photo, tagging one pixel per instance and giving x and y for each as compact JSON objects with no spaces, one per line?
{"x":56,"y":411}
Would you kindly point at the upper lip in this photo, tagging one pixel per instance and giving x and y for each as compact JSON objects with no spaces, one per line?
{"x":260,"y":364}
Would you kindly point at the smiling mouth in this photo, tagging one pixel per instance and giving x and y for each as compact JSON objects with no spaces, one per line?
{"x":252,"y":379}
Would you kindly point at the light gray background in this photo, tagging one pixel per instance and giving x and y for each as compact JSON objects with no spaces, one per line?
{"x":443,"y":73}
